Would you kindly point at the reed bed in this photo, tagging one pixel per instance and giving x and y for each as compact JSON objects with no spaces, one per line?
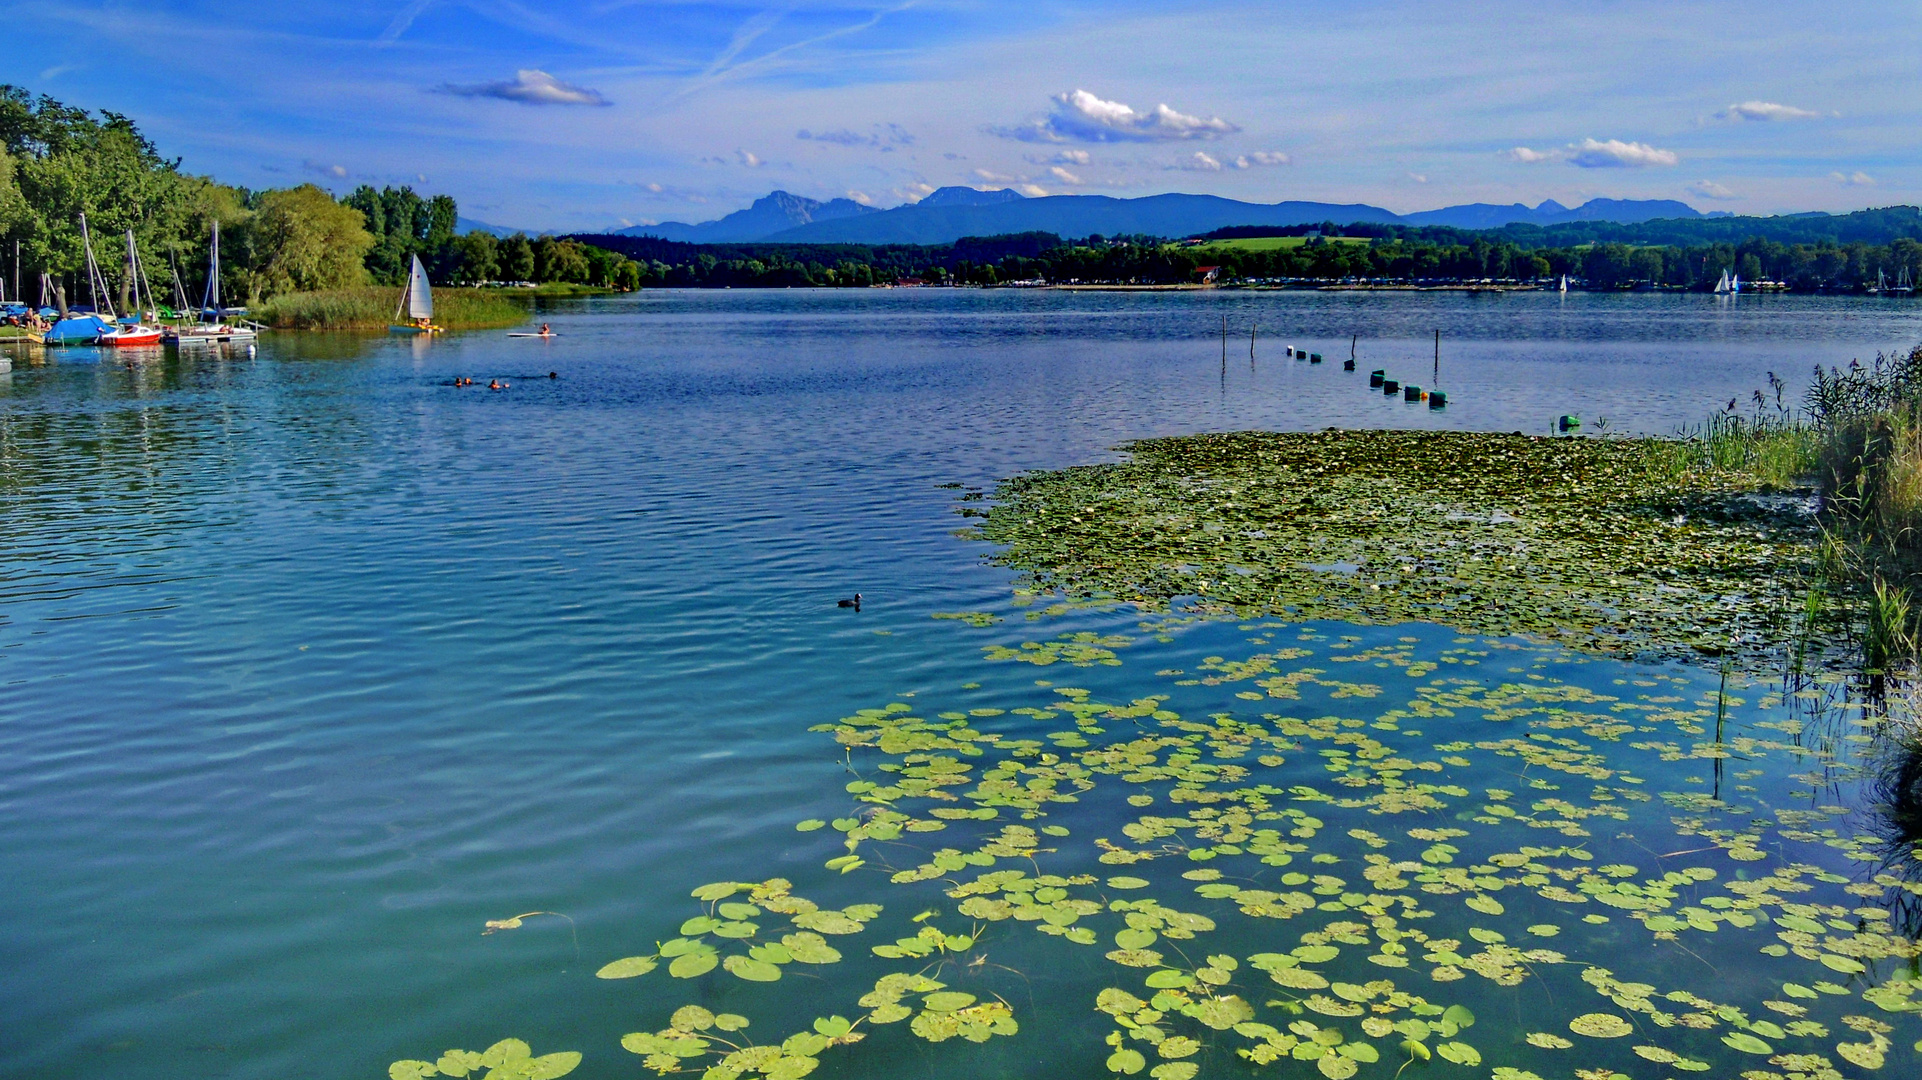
{"x":372,"y":308}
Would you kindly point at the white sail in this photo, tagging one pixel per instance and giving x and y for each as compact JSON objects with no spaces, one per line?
{"x":1735,"y":284}
{"x":420,"y":296}
{"x":1564,"y":282}
{"x":1722,"y":285}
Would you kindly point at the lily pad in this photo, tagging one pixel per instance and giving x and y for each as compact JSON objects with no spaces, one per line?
{"x":1600,"y":1026}
{"x":627,"y":968}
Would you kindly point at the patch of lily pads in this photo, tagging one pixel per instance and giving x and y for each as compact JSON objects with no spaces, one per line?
{"x":1611,"y":545}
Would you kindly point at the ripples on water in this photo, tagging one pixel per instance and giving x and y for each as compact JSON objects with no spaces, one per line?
{"x":313,"y":662}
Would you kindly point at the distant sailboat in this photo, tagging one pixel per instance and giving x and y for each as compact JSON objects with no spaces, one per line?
{"x":1722,"y":286}
{"x":1902,"y":284}
{"x":417,"y":300}
{"x":1564,"y":288}
{"x":77,"y":327}
{"x":1881,"y":285}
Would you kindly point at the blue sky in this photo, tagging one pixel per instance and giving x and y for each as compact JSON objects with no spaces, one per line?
{"x":582,"y":115}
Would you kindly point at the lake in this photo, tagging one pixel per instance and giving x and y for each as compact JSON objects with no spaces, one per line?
{"x":314,"y":664}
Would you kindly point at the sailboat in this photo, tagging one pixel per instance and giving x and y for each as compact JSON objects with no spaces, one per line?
{"x":1722,"y":286}
{"x":1881,"y":284}
{"x":1902,"y":284}
{"x":1564,"y":284}
{"x":82,"y":327}
{"x":212,"y":326}
{"x":417,"y":300}
{"x":131,"y":331}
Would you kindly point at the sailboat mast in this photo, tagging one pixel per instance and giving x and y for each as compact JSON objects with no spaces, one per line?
{"x":93,"y":271}
{"x":210,"y":297}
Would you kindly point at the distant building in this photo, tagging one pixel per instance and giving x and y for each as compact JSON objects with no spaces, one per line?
{"x":1208,"y":274}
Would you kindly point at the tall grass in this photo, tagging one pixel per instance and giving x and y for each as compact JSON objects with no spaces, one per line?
{"x":371,"y":307}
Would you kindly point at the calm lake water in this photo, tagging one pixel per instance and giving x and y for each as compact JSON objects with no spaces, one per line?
{"x":312,"y":663}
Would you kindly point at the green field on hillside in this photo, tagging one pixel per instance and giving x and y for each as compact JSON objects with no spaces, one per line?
{"x":1273,"y":243}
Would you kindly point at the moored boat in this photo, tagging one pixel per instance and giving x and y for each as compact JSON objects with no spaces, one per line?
{"x":212,"y":327}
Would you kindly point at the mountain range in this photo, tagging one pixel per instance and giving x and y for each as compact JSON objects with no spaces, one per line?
{"x":950,"y":213}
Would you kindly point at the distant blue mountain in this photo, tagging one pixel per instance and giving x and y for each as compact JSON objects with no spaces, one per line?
{"x":950,"y":213}
{"x":1488,"y":216}
{"x":776,"y":212}
{"x":467,"y":225}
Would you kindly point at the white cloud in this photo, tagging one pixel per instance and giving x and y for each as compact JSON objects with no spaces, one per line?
{"x":1200,"y":162}
{"x":884,"y":137}
{"x":914,"y":192}
{"x":1073,"y":157}
{"x":751,"y":161}
{"x":1064,"y":175}
{"x":1033,"y":191}
{"x":1859,"y":179}
{"x":1260,"y":158}
{"x":1417,"y":178}
{"x":530,"y":87}
{"x":334,"y":172}
{"x":861,"y":197}
{"x":1709,"y":189}
{"x":1765,"y":110}
{"x":1597,"y":154}
{"x":1616,"y":154}
{"x":993,"y":177}
{"x":1083,"y":117}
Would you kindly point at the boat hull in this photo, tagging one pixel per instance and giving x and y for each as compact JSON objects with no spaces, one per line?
{"x":416,"y":329}
{"x":121,"y":339}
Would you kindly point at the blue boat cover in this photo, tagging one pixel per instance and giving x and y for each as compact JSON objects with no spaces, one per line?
{"x":77,"y":330}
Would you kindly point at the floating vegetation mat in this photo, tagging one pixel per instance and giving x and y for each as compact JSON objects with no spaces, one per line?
{"x":1613,"y":545}
{"x":1356,"y":855}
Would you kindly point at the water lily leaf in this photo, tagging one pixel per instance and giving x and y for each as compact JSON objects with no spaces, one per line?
{"x":1485,"y":904}
{"x":810,"y":825}
{"x":735,"y":930}
{"x":1298,"y":979}
{"x":1315,"y":954}
{"x":828,"y":922}
{"x":1866,"y":1055}
{"x":698,"y":925}
{"x":792,"y":1068}
{"x":1360,"y":1051}
{"x":1141,"y":958}
{"x":1169,"y":979}
{"x":752,"y":970}
{"x":1798,"y":990}
{"x":947,"y":1001}
{"x":1848,"y":965}
{"x":1547,"y":1040}
{"x":1127,"y":883}
{"x":1767,"y":1029}
{"x":1458,"y":1015}
{"x":626,"y":968}
{"x":1178,"y":1046}
{"x":1657,"y":1054}
{"x":809,"y":948}
{"x":1600,"y":1026}
{"x":1544,"y":929}
{"x":1175,"y":1070}
{"x":1746,"y":1043}
{"x":889,"y":1013}
{"x":1415,"y":1050}
{"x":458,"y":1062}
{"x":730,"y":1021}
{"x":411,"y":1070}
{"x":1126,"y":1062}
{"x":1134,"y":938}
{"x":833,"y":1027}
{"x":720,"y":890}
{"x":693,"y":964}
{"x":505,"y":1051}
{"x":1220,"y":1013}
{"x":691,"y":1018}
{"x":738,"y":912}
{"x":771,"y":953}
{"x":1336,"y":1067}
{"x":1459,"y":1053}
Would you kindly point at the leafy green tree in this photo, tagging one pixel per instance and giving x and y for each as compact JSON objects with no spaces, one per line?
{"x":304,"y":240}
{"x":479,"y":256}
{"x":516,"y":258}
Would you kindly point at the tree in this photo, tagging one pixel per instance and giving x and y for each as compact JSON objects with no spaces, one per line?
{"x":516,"y":258}
{"x":479,"y":256}
{"x":304,"y":240}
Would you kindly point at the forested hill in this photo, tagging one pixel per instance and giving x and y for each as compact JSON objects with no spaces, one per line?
{"x":1880,"y":226}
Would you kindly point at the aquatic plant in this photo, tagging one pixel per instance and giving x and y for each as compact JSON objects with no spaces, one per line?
{"x":372,"y":308}
{"x":1633,"y":547}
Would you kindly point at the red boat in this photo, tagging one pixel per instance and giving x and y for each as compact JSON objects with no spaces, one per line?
{"x":130,"y":335}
